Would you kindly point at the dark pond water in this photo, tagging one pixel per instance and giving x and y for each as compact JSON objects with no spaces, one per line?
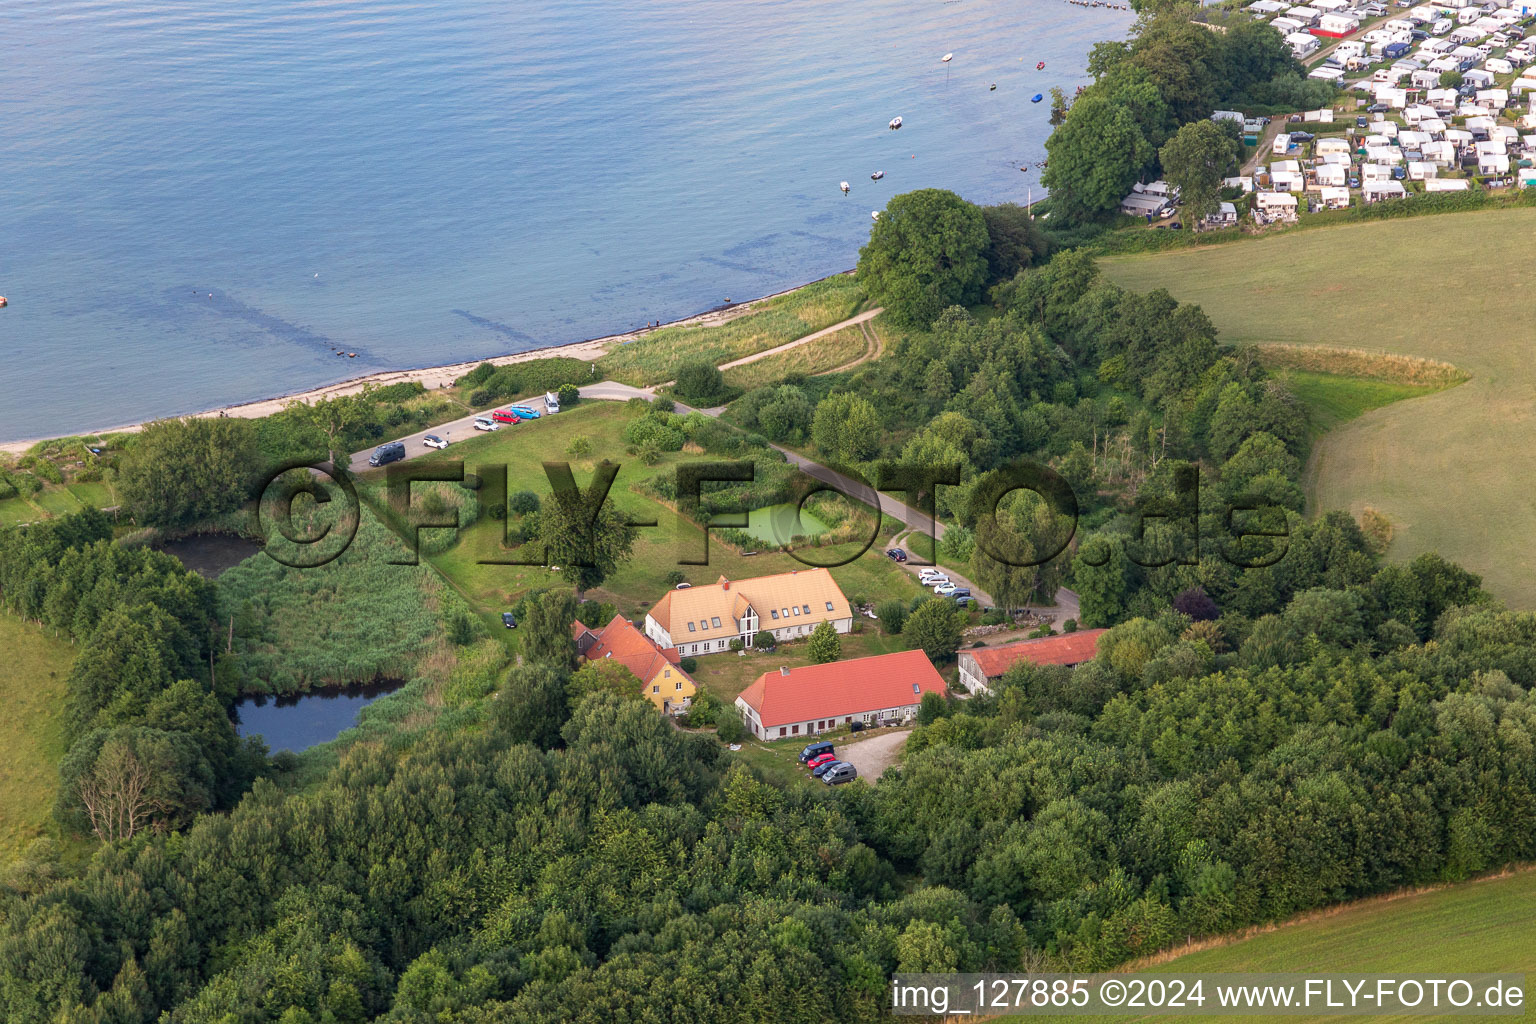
{"x":209,"y":554}
{"x":299,"y":721}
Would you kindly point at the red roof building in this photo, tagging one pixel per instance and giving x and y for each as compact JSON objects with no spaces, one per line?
{"x":980,"y":666}
{"x":663,"y":682}
{"x":804,"y":701}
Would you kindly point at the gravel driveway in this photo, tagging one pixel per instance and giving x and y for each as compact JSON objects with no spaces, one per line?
{"x":874,"y":755}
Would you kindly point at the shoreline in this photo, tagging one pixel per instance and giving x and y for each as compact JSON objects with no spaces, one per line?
{"x":432,"y":377}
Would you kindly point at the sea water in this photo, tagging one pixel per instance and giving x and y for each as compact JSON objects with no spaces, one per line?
{"x":201,"y":200}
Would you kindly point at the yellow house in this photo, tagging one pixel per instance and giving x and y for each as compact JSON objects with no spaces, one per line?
{"x":662,"y":679}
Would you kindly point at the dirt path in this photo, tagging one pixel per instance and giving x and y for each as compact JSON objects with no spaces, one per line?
{"x":874,"y":755}
{"x":868,"y":314}
{"x":874,"y":348}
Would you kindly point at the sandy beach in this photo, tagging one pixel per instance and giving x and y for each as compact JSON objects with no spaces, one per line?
{"x":431,"y":377}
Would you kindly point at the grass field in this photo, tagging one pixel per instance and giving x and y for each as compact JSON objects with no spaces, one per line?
{"x":1476,"y":927}
{"x":654,"y":357}
{"x":1448,"y":469}
{"x":837,"y":349}
{"x":31,"y":731}
{"x":1332,"y":399}
{"x":658,"y":550}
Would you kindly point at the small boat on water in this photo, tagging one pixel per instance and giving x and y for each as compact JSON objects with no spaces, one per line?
{"x":4,"y":302}
{"x":947,"y":58}
{"x":994,"y":87}
{"x":1040,"y":66}
{"x":844,"y":187}
{"x":877,"y":176}
{"x":895,"y":123}
{"x":874,"y":214}
{"x":1036,"y":98}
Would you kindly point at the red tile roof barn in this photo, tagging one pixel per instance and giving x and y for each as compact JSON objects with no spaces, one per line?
{"x":1067,"y":649}
{"x":842,"y":688}
{"x":622,"y":642}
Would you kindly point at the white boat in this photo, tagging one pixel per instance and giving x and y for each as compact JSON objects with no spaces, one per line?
{"x":874,"y":214}
{"x":947,"y":58}
{"x":844,"y":186}
{"x":895,"y":123}
{"x":877,"y":176}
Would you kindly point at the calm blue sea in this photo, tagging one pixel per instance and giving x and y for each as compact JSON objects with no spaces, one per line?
{"x":200,"y":199}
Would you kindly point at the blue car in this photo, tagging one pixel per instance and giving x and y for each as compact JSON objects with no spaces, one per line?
{"x":527,"y":412}
{"x":821,"y":770}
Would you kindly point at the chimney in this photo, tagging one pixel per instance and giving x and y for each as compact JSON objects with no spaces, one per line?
{"x":783,"y":670}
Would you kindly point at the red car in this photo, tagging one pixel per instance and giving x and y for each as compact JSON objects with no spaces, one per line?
{"x":819,"y":760}
{"x":506,"y":416}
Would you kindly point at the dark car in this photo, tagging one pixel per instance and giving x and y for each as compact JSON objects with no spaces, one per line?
{"x":387,"y":453}
{"x":509,"y":620}
{"x":1377,"y":108}
{"x":1399,"y":173}
{"x":826,"y":766}
{"x":1302,"y":136}
{"x":1176,"y":226}
{"x":959,"y":592}
{"x":1361,"y":122}
{"x":841,"y":772}
{"x":896,"y":554}
{"x":963,"y":601}
{"x":815,"y":750}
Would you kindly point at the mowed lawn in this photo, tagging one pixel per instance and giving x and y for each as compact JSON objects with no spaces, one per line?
{"x":32,"y":687}
{"x":659,"y":549}
{"x":1476,"y":927}
{"x":1449,"y":469}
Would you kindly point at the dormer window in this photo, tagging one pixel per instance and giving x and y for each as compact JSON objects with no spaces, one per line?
{"x":829,"y":606}
{"x":715,"y":621}
{"x":774,"y":612}
{"x":690,"y":626}
{"x":807,"y":609}
{"x":797,"y":610}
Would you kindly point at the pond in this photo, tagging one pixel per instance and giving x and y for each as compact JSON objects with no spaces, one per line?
{"x":779,"y":524}
{"x":210,"y":554}
{"x":299,"y":721}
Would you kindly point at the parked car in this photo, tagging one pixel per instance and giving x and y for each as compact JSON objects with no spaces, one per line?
{"x":836,"y":775}
{"x":527,"y":412}
{"x":486,"y":423}
{"x":1361,"y":122}
{"x":961,"y":602}
{"x":944,"y":589}
{"x":931,"y":573}
{"x":387,"y":453}
{"x":1399,"y":173}
{"x":509,"y":620}
{"x":433,"y":441}
{"x":815,"y":750}
{"x":960,"y":592}
{"x":1354,"y":181}
{"x":506,"y":416}
{"x":1377,"y":108}
{"x":1302,"y":136}
{"x":1176,"y":226}
{"x":896,"y":555}
{"x":827,"y":766}
{"x":819,"y":760}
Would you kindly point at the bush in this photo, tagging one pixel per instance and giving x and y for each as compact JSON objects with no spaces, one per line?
{"x":689,"y":665}
{"x":674,"y":577}
{"x":1069,"y":626}
{"x":476,"y":377}
{"x":825,"y":644}
{"x":568,"y":394}
{"x":892,"y":616}
{"x":764,"y":640}
{"x":736,"y":643}
{"x":730,"y":729}
{"x":404,"y":391}
{"x":580,"y":447}
{"x":701,"y":381}
{"x":664,"y":404}
{"x":524,"y":503}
